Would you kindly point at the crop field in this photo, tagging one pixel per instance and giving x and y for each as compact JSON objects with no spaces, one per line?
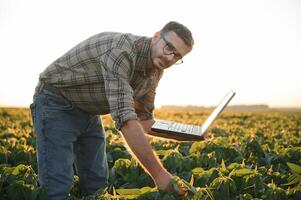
{"x":247,"y":155}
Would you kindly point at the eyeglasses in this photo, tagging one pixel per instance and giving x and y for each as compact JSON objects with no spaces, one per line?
{"x":169,"y":49}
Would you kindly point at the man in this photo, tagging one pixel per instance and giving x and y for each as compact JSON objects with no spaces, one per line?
{"x":108,"y":73}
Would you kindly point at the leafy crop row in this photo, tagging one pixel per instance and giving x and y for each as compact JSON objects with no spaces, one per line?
{"x":246,"y":156}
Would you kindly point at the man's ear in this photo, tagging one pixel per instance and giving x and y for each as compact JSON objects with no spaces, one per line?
{"x":156,"y":37}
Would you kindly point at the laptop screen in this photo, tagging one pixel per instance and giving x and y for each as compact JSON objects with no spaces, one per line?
{"x":217,"y":110}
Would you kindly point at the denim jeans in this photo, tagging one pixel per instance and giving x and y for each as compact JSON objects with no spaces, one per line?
{"x":65,"y":135}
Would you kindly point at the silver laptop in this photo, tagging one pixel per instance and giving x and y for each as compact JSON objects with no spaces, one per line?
{"x":187,"y":131}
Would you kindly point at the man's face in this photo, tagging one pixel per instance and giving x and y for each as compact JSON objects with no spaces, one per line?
{"x":167,"y":49}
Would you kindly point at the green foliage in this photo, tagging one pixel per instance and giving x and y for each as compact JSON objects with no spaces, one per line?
{"x":20,"y":182}
{"x":246,"y":156}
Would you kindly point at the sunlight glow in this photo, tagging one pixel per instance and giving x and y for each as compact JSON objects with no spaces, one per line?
{"x":252,"y":47}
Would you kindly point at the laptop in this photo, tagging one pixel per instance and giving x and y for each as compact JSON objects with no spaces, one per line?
{"x":186,"y":131}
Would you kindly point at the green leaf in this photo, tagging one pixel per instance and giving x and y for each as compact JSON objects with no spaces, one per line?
{"x":294,"y":168}
{"x":133,"y":191}
{"x":197,"y":147}
{"x":17,"y":169}
{"x":16,"y":190}
{"x":223,"y":165}
{"x":233,"y":166}
{"x":293,"y":179}
{"x":241,"y":172}
{"x":197,"y":170}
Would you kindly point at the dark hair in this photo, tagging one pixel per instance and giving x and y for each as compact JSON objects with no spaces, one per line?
{"x":182,"y":31}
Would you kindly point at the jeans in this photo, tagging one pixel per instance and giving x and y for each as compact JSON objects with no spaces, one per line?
{"x":65,"y":135}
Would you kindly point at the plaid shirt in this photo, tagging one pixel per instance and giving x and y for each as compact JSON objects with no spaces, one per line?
{"x":108,"y":73}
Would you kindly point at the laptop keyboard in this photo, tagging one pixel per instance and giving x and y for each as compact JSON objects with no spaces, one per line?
{"x":184,"y":128}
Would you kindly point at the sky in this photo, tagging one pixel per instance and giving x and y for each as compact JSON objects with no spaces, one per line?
{"x":252,"y":47}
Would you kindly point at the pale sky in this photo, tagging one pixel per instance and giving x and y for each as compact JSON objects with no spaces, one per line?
{"x":252,"y":47}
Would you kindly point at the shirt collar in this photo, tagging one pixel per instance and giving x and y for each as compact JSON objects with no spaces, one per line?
{"x":144,"y":63}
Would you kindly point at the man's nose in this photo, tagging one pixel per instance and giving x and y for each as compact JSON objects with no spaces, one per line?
{"x":170,"y":57}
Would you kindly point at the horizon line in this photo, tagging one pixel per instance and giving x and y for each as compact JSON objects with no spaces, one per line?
{"x":191,"y":105}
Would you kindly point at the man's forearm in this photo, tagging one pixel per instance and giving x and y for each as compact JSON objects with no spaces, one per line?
{"x":134,"y":135}
{"x":147,"y":125}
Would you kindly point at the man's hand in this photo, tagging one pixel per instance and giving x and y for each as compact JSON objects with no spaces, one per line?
{"x":165,"y":182}
{"x":138,"y":143}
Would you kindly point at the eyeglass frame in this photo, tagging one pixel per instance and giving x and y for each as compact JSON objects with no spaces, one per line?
{"x":176,"y":56}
